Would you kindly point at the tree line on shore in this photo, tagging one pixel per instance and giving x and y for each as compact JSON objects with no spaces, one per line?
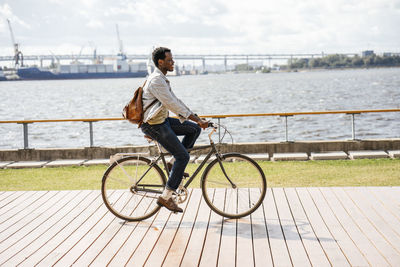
{"x":329,"y":62}
{"x":344,"y":61}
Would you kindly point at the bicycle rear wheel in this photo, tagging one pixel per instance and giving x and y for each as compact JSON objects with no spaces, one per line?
{"x":233,"y":186}
{"x":130,"y":188}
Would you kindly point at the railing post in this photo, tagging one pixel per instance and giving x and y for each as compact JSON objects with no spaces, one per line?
{"x":353,"y":126}
{"x":91,"y":133}
{"x":26,"y":143}
{"x":25,"y":133}
{"x":286,"y":130}
{"x":286,"y":127}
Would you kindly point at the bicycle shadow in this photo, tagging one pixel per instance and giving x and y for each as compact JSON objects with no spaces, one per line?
{"x":247,"y":228}
{"x":274,"y":229}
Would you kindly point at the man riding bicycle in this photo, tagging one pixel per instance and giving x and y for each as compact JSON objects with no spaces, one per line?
{"x":165,"y":130}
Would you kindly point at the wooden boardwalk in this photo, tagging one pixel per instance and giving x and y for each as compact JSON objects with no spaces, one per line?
{"x":354,"y":226}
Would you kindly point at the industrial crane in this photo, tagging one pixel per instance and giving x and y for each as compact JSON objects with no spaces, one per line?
{"x":18,"y":56}
{"x":121,"y":48}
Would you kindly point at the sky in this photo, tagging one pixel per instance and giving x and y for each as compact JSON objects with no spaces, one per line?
{"x":200,"y":26}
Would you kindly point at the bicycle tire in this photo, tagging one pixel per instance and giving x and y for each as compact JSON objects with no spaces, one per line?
{"x":218,"y":192}
{"x":128,"y":202}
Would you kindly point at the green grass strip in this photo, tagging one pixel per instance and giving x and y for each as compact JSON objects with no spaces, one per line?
{"x":363,"y":172}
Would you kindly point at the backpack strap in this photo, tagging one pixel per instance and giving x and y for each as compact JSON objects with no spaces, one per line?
{"x":152,"y":103}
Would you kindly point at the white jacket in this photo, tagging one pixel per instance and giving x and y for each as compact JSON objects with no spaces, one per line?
{"x":157,"y":87}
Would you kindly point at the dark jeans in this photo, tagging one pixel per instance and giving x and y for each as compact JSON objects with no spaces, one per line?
{"x":166,"y":134}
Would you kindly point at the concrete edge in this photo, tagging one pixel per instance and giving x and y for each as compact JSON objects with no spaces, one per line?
{"x":90,"y":153}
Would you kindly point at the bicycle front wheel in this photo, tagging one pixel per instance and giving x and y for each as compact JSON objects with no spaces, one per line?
{"x":131,"y":186}
{"x":234,"y":185}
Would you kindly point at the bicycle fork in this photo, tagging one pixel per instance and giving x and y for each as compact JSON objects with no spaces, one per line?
{"x":219,"y":158}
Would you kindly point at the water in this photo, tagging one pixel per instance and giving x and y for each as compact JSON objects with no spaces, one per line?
{"x":208,"y":94}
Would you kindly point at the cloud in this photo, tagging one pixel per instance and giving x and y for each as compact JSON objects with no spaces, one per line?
{"x":7,"y":13}
{"x":205,"y":26}
{"x":93,"y":23}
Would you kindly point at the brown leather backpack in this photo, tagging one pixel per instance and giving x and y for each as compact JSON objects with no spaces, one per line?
{"x":133,"y":111}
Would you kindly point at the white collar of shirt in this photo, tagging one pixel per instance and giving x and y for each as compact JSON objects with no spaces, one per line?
{"x":157,"y":70}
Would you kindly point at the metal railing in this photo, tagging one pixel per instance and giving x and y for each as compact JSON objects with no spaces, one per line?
{"x":351,"y":113}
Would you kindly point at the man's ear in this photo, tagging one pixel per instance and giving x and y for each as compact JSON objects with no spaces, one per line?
{"x":159,"y":62}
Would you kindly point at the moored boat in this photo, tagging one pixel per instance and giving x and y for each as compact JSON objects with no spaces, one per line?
{"x":120,"y":69}
{"x":2,"y":77}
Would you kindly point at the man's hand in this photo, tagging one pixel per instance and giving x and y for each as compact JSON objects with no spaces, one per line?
{"x":201,"y":122}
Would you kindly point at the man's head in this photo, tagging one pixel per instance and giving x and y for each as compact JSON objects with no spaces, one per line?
{"x":162,"y":58}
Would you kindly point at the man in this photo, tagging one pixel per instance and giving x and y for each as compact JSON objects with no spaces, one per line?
{"x":164,"y":129}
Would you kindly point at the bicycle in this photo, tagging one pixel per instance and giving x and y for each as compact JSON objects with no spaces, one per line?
{"x":233,"y":185}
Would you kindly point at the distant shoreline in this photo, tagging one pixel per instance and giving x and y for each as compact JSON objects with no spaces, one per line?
{"x":307,"y":70}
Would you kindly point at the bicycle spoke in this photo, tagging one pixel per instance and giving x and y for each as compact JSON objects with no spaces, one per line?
{"x":245,"y":174}
{"x":120,"y":181}
{"x":137,"y":201}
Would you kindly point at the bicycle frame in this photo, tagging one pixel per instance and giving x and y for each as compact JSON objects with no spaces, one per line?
{"x":213,"y":151}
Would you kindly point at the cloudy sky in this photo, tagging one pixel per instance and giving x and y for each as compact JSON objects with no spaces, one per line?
{"x":201,"y":26}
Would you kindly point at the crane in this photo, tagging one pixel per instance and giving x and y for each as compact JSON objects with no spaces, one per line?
{"x":121,"y":47}
{"x":17,"y":54}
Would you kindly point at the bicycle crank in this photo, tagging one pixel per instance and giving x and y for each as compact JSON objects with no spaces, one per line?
{"x":181,"y":195}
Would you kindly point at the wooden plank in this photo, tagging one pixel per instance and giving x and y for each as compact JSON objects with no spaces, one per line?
{"x":390,"y":221}
{"x":279,"y":251}
{"x":244,"y":237}
{"x":194,"y":247}
{"x":244,"y":242}
{"x":78,"y":241}
{"x":181,"y":239}
{"x":75,"y":228}
{"x":45,"y":243}
{"x":261,"y":247}
{"x":8,"y":197}
{"x":23,"y":207}
{"x":310,"y":241}
{"x":387,"y":238}
{"x":293,"y":240}
{"x":137,"y":234}
{"x":162,"y":246}
{"x":11,"y":226}
{"x":328,"y":242}
{"x":105,"y":237}
{"x":26,"y":232}
{"x":349,"y":248}
{"x":118,"y":240}
{"x":211,"y":245}
{"x":37,"y":237}
{"x":86,"y":249}
{"x":12,"y":204}
{"x":64,"y":238}
{"x":363,"y":224}
{"x":227,"y":248}
{"x":367,"y":248}
{"x":393,"y":193}
{"x":144,"y":248}
{"x":386,"y":201}
{"x":6,"y":194}
{"x":115,"y":236}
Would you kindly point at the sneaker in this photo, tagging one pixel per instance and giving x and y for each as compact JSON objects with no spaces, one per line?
{"x":169,"y":204}
{"x":169,"y":165}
